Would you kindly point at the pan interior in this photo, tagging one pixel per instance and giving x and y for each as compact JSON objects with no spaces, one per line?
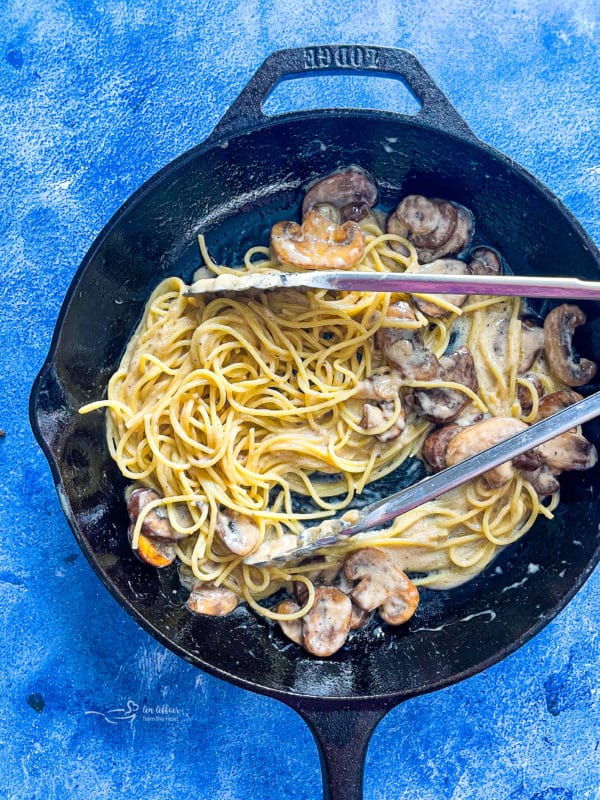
{"x":233,"y":192}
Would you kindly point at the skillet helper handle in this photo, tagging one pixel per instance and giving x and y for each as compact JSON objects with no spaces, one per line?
{"x":436,"y":110}
{"x":342,"y":736}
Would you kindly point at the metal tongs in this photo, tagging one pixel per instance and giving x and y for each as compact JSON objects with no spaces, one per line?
{"x":499,"y":285}
{"x":383,"y":511}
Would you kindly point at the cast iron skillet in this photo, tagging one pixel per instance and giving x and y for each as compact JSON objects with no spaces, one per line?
{"x":249,"y":172}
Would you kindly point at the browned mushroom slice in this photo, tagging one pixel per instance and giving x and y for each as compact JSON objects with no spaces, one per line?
{"x":532,"y":344}
{"x":563,"y":361}
{"x":457,"y":243}
{"x":400,"y":607}
{"x":404,"y":349}
{"x":318,"y":243}
{"x":436,"y":444}
{"x":382,"y":584}
{"x":442,"y":404}
{"x":326,"y":626}
{"x":156,"y":523}
{"x":482,"y":436}
{"x":151,"y":551}
{"x":555,"y":402}
{"x":484,"y":261}
{"x":426,"y":222}
{"x":349,"y":187}
{"x":445,"y":404}
{"x":375,"y":416}
{"x":524,"y":395}
{"x":436,"y":228}
{"x":442,"y":266}
{"x":542,"y":479}
{"x":237,"y":532}
{"x":214,"y":601}
{"x":292,"y":628}
{"x":568,"y":451}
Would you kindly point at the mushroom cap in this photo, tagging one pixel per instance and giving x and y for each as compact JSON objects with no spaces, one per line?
{"x":318,"y":243}
{"x":568,"y":451}
{"x":155,"y":553}
{"x":563,"y":361}
{"x":435,"y":227}
{"x":542,"y":479}
{"x":327,"y":624}
{"x":556,"y":401}
{"x":214,"y":601}
{"x":485,"y":261}
{"x":352,"y":186}
{"x":292,"y":628}
{"x":404,"y":349}
{"x":156,"y":523}
{"x":444,"y":404}
{"x":238,"y":532}
{"x":382,"y":584}
{"x":481,"y":436}
{"x":400,"y":607}
{"x":378,"y":576}
{"x":436,"y":444}
{"x":426,"y":222}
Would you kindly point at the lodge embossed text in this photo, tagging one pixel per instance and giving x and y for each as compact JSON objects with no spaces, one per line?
{"x":343,"y":56}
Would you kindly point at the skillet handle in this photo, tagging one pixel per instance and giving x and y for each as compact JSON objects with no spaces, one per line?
{"x":246,"y":111}
{"x":342,"y":735}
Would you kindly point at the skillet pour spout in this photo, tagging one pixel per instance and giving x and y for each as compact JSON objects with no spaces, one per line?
{"x":454,"y":634}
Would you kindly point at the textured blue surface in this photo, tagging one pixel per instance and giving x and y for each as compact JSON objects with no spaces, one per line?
{"x":95,"y":96}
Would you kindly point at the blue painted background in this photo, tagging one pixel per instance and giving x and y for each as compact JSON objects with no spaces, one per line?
{"x":95,"y":96}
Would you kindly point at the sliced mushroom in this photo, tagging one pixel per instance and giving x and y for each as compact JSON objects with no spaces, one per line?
{"x":532,"y":344}
{"x":211,"y":600}
{"x":237,"y":532}
{"x":426,"y":222}
{"x":442,"y":266}
{"x":375,"y":416}
{"x":542,"y":479}
{"x":556,"y":401}
{"x":152,"y":551}
{"x":348,"y":187}
{"x":482,"y":436}
{"x":458,"y":242}
{"x":333,"y":576}
{"x":400,"y":607}
{"x":485,"y":261}
{"x":381,"y":585}
{"x":524,"y":395}
{"x":444,"y":404}
{"x":404,"y":349}
{"x":381,"y":387}
{"x":563,"y":361}
{"x":435,"y":227}
{"x":436,"y":444}
{"x":568,"y":451}
{"x":156,"y":523}
{"x":327,"y":624}
{"x":318,"y":243}
{"x":292,"y":628}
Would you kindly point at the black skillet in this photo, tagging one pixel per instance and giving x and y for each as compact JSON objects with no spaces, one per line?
{"x":251,"y":171}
